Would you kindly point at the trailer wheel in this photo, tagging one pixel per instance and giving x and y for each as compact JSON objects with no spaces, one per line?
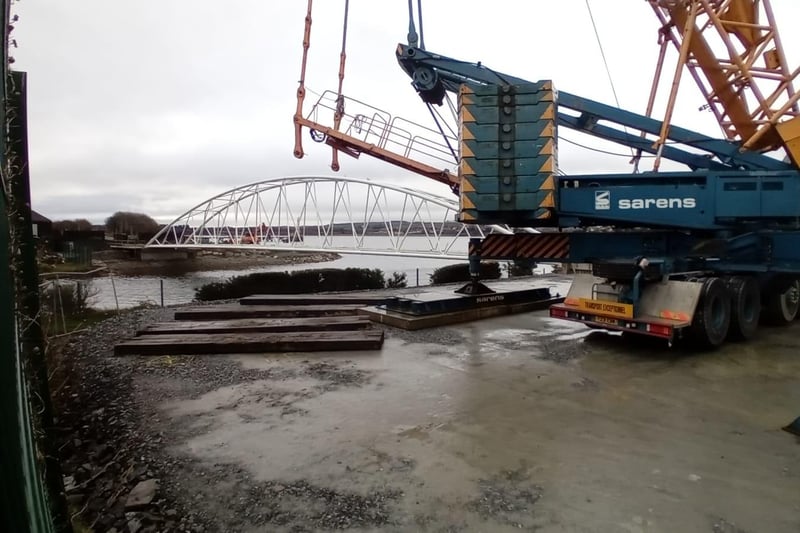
{"x":712,"y":318}
{"x":745,"y":307}
{"x":781,"y":307}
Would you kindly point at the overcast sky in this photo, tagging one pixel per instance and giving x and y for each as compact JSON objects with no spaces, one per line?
{"x":157,"y":105}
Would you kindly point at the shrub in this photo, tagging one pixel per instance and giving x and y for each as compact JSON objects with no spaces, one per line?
{"x":298,"y":282}
{"x":520,"y":268}
{"x":71,"y":298}
{"x":460,"y":272}
{"x":397,"y":281}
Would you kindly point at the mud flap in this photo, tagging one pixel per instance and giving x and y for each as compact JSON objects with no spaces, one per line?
{"x":672,"y":300}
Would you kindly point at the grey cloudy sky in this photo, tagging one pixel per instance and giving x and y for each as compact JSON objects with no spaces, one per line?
{"x":156,"y":105}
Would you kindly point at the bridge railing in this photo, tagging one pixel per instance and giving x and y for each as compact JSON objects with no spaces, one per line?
{"x":396,"y":134}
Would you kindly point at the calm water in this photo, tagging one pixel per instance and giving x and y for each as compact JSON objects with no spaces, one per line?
{"x":135,"y":290}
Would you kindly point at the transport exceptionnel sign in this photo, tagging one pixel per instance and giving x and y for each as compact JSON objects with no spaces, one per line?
{"x":615,"y":309}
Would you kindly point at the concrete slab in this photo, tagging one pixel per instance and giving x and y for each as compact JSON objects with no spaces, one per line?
{"x":512,"y":423}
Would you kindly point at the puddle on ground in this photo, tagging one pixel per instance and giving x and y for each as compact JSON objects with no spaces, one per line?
{"x":591,"y":420}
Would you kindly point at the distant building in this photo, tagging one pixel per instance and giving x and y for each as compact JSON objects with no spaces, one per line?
{"x":42,"y":226}
{"x":77,"y":246}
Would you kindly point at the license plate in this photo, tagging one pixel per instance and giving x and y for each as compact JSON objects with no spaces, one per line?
{"x":604,"y":320}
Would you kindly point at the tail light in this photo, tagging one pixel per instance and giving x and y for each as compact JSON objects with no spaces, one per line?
{"x":656,"y":329}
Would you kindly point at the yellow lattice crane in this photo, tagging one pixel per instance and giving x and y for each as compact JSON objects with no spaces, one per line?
{"x":733,"y":51}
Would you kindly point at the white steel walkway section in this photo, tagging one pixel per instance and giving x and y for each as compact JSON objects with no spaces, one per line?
{"x":319,"y":213}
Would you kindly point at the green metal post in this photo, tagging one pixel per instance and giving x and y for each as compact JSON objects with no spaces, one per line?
{"x":27,"y":285}
{"x":23,"y":500}
{"x":12,"y":489}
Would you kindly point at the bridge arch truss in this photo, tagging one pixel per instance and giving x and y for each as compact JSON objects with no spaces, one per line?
{"x":320,"y":213}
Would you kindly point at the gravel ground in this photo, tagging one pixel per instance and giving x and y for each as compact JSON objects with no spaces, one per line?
{"x":114,"y":434}
{"x":442,"y":336}
{"x":508,"y":498}
{"x":270,"y":505}
{"x":112,"y":438}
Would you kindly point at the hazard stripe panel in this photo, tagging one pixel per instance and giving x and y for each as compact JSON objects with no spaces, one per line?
{"x":540,"y":246}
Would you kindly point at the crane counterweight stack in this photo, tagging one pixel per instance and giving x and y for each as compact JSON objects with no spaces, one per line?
{"x":508,"y":153}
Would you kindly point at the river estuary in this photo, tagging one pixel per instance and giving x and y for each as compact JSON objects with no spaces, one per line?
{"x":110,"y":292}
{"x":135,"y":290}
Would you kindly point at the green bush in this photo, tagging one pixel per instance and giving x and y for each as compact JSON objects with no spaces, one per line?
{"x":460,"y":272}
{"x":298,"y":282}
{"x":397,"y":281}
{"x":520,"y":268}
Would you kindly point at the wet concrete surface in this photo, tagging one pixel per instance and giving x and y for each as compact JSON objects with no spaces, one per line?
{"x":514,"y":423}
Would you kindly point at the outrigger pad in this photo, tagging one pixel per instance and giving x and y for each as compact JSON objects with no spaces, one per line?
{"x":474,"y":288}
{"x":794,"y":427}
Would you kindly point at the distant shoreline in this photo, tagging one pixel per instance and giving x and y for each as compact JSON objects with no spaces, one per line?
{"x":117,"y":262}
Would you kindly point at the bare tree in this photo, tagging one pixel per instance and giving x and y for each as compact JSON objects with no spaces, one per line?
{"x":77,"y":224}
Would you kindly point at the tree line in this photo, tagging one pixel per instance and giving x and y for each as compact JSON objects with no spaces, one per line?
{"x":121,"y":222}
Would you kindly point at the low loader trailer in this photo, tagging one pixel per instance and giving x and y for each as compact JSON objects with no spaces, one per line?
{"x":710,"y":300}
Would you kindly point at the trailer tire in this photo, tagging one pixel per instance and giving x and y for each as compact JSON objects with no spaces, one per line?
{"x":745,"y":307}
{"x":712,"y":318}
{"x":780,"y":308}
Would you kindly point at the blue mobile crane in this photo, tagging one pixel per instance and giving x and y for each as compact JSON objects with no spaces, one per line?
{"x":704,"y":254}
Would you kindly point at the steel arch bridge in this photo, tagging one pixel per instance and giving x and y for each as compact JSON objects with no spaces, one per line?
{"x":324,"y":214}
